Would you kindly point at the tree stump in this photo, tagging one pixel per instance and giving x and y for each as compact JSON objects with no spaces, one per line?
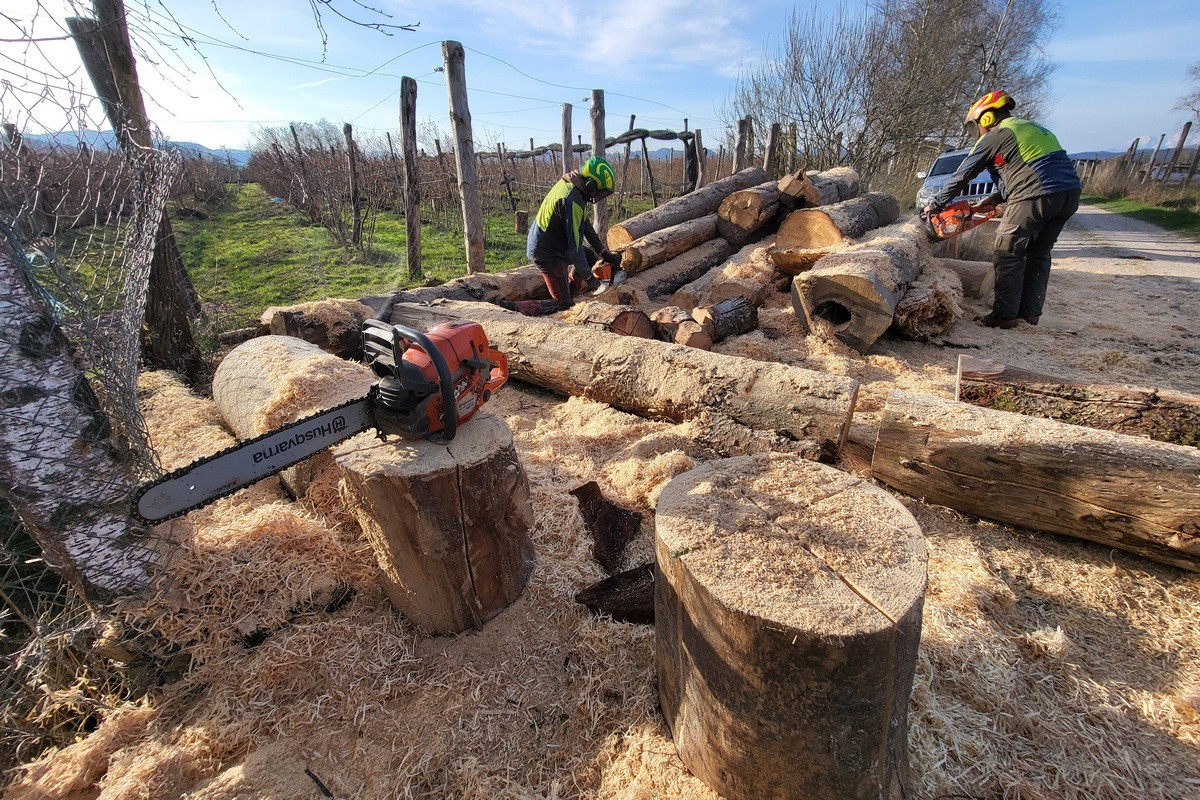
{"x":787,"y":607}
{"x":521,"y":221}
{"x":449,"y":523}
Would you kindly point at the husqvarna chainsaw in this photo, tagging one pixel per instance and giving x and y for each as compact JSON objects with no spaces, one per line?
{"x":428,"y":384}
{"x":956,"y":218}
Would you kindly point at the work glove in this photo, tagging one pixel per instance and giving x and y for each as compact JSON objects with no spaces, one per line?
{"x":609,"y":257}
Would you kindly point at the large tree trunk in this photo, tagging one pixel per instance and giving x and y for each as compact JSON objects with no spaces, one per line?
{"x":1154,"y":413}
{"x":699,"y":203}
{"x":449,"y":523}
{"x":61,"y":468}
{"x":662,"y":279}
{"x":787,"y":609}
{"x":655,"y":248}
{"x":674,"y":324}
{"x":1122,"y":491}
{"x":656,"y":379}
{"x":727,"y":318}
{"x":808,"y":228}
{"x":518,"y":283}
{"x":932,"y":304}
{"x":851,"y":295}
{"x":744,"y":212}
{"x":749,"y":273}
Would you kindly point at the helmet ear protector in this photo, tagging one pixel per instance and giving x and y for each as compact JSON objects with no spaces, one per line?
{"x":987,"y":119}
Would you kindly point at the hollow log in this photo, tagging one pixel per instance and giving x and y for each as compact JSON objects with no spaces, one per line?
{"x":1127,"y":492}
{"x":808,"y":228}
{"x":851,"y":295}
{"x":978,"y":277}
{"x":699,"y":203}
{"x":656,"y":379}
{"x":749,"y":273}
{"x":655,"y":248}
{"x":674,"y":324}
{"x":932,"y":304}
{"x":746,"y":211}
{"x":624,"y":320}
{"x":662,"y":279}
{"x":333,"y":325}
{"x":787,"y":616}
{"x":1159,"y":414}
{"x":272,"y":380}
{"x":727,"y":318}
{"x":449,"y":523}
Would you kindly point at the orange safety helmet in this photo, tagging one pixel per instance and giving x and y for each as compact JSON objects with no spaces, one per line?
{"x":983,"y":108}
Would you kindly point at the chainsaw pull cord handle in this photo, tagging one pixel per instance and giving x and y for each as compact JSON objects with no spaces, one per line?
{"x":445,"y":381}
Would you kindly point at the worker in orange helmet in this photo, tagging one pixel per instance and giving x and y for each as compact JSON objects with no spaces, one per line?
{"x":1040,"y":193}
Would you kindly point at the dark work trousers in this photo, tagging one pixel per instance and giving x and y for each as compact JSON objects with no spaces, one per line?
{"x":1027,"y":233}
{"x":561,"y":280}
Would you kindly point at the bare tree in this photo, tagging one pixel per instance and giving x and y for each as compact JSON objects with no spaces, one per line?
{"x":1191,"y":100}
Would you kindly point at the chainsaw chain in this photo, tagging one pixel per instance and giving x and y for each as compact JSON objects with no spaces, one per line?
{"x":145,"y":487}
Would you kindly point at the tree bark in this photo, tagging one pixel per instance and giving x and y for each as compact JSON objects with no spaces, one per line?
{"x":673,"y":324}
{"x":699,"y":203}
{"x":745,"y":211}
{"x":623,"y":320}
{"x":1121,"y":491}
{"x":1165,"y":416}
{"x":836,"y":184}
{"x":662,"y":279}
{"x":787,"y":675}
{"x":851,"y":295}
{"x":449,"y":523}
{"x":464,"y":151}
{"x":727,"y":318}
{"x":656,"y":379}
{"x":655,"y":248}
{"x":932,"y":304}
{"x":412,"y":178}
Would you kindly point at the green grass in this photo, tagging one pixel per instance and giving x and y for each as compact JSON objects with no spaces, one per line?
{"x":253,"y":252}
{"x":1179,"y":215}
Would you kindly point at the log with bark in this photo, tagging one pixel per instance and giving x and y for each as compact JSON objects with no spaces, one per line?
{"x":747,"y":212}
{"x":333,"y":325}
{"x":787,"y":611}
{"x":674,"y":324}
{"x":809,"y":228}
{"x":1159,"y":414}
{"x":621,"y":319}
{"x":1127,"y":492}
{"x":835,"y":185}
{"x":656,"y":379}
{"x":449,"y":523}
{"x":519,"y":283}
{"x":661,"y":280}
{"x":661,"y":245}
{"x":932,"y":304}
{"x":699,"y":203}
{"x":851,"y":295}
{"x":978,"y":277}
{"x":749,"y":273}
{"x":727,"y":318}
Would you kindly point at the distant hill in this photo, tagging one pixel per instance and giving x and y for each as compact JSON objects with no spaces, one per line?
{"x":107,"y":140}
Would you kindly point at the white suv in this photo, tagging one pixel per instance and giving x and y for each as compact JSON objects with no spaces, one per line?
{"x":939,"y":175}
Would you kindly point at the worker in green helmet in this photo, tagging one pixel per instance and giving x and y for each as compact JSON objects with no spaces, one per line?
{"x":557,"y":238}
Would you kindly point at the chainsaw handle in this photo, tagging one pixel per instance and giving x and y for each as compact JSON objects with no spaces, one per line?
{"x":445,"y":381}
{"x":499,"y":374}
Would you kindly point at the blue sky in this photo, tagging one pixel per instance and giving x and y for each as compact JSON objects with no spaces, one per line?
{"x":1120,"y":66}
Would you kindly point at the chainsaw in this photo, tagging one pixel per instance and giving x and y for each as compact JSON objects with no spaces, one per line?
{"x":956,"y":218}
{"x":428,"y":384}
{"x":609,"y":275}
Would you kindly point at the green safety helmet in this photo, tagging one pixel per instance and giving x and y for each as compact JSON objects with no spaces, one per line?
{"x":598,"y":175}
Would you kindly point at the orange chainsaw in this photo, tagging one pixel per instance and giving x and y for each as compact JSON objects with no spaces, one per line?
{"x":428,"y":384}
{"x":956,"y":218}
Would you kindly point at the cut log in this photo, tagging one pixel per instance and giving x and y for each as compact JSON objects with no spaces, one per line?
{"x":727,"y":318}
{"x":794,"y":260}
{"x":797,"y":191}
{"x":749,"y":273}
{"x":932,"y":304}
{"x":674,"y":324}
{"x":746,"y":211}
{"x":835,"y":185}
{"x":519,"y":283}
{"x":624,"y":320}
{"x":1126,"y":492}
{"x":978,"y":277}
{"x":656,"y":379}
{"x":699,"y":203}
{"x":1158,"y":414}
{"x":449,"y":523}
{"x":808,"y":228}
{"x":661,"y":280}
{"x":272,"y":380}
{"x":626,"y":597}
{"x":851,"y":295}
{"x":655,"y":248}
{"x":333,"y":325}
{"x":787,"y":617}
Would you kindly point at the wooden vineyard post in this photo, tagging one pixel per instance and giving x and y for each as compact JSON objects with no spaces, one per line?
{"x":464,"y":151}
{"x":787,"y":616}
{"x":771,"y":158}
{"x":568,"y":156}
{"x":449,"y":523}
{"x":412,"y":182}
{"x":600,"y":207}
{"x":700,"y":160}
{"x":739,"y":153}
{"x":355,"y":201}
